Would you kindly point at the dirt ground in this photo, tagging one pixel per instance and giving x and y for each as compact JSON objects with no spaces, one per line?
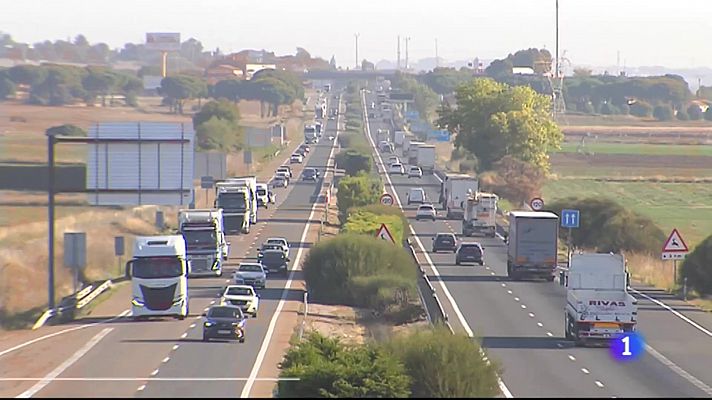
{"x":624,"y":161}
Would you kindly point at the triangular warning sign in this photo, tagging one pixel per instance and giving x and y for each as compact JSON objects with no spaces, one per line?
{"x":674,"y":243}
{"x":384,"y":233}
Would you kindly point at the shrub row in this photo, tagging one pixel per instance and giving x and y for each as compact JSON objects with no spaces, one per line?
{"x":367,"y":219}
{"x":428,"y":364}
{"x":697,"y":267}
{"x":356,"y":191}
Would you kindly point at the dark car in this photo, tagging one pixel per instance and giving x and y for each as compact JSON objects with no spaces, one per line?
{"x":227,"y":322}
{"x":310,"y":174}
{"x":444,"y":241}
{"x":472,"y":252}
{"x":273,"y":260}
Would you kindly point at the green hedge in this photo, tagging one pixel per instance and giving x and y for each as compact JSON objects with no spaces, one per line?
{"x":366,"y":222}
{"x":442,"y":365}
{"x":328,"y":368}
{"x":697,"y":267}
{"x":609,"y":227}
{"x":357,"y":191}
{"x":354,"y":162}
{"x":361,"y":271}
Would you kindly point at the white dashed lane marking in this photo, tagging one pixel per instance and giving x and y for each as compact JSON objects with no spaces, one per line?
{"x":509,"y":292}
{"x":549,"y":334}
{"x":585,"y":371}
{"x":140,"y":388}
{"x":165,"y":360}
{"x":599,"y":384}
{"x":572,"y":358}
{"x":192,"y":325}
{"x":531,"y":315}
{"x":523,"y":306}
{"x":183,"y":336}
{"x":540,"y":324}
{"x":154,"y":373}
{"x":516,"y":299}
{"x":175,"y":347}
{"x":504,"y":285}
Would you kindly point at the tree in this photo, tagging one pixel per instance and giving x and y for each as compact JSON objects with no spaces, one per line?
{"x":514,"y":180}
{"x":27,"y":74}
{"x":180,"y":88}
{"x":682,"y":115}
{"x":663,"y":113}
{"x":357,"y":191}
{"x":327,"y":368}
{"x":493,"y":120}
{"x":218,"y":134}
{"x":708,"y":114}
{"x":582,"y":72}
{"x":694,"y":112}
{"x":7,"y":88}
{"x":498,"y":68}
{"x":641,"y":109}
{"x":353,"y":162}
{"x":220,"y":109}
{"x":99,"y":82}
{"x":697,"y":267}
{"x":67,"y":130}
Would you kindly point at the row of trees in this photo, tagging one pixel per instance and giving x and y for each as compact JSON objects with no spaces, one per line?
{"x":61,"y":84}
{"x":271,"y":87}
{"x":425,"y":99}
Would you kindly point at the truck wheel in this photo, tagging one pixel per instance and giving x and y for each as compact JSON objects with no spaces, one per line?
{"x":550,"y":278}
{"x":567,"y":332}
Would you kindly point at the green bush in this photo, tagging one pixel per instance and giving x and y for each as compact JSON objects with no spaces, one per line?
{"x":608,"y":227}
{"x":682,"y":115}
{"x":367,"y":223}
{"x":442,"y":365}
{"x":327,"y":368}
{"x":380,"y":209}
{"x":663,"y":113}
{"x":697,"y":267}
{"x":350,"y":268}
{"x":67,"y":130}
{"x":694,"y":112}
{"x":641,"y":109}
{"x":353,"y":162}
{"x":357,"y":191}
{"x":221,"y":109}
{"x":218,"y":134}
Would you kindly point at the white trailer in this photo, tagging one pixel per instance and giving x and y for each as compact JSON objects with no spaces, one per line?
{"x":250,"y":182}
{"x":598,"y":305}
{"x":413,"y":152}
{"x":233,"y":199}
{"x":480,"y":214}
{"x":456,"y":189}
{"x":399,"y":138}
{"x":426,"y":158}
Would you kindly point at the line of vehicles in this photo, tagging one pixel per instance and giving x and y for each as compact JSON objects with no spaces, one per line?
{"x":598,"y":304}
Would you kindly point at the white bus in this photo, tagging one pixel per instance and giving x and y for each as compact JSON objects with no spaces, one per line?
{"x":159,"y":277}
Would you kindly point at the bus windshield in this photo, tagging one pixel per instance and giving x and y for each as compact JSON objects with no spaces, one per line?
{"x":158,"y":267}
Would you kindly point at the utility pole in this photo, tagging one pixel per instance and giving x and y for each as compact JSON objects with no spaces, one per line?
{"x":437,"y":60}
{"x":556,"y":73}
{"x":356,"y":35}
{"x":398,"y":51}
{"x":407,"y":39}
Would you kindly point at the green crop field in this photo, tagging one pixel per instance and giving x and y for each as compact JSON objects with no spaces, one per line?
{"x":640,"y":149}
{"x":685,"y":206}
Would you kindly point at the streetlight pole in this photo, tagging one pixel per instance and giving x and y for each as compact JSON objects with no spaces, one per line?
{"x":356,"y":35}
{"x":556,"y":72}
{"x":50,"y":213}
{"x":407,"y":39}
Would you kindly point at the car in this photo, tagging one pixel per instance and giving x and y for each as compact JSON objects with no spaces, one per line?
{"x":396,"y":168}
{"x":425,"y":211}
{"x":415,"y":172}
{"x":416,"y":195}
{"x":305,"y":147}
{"x":252,"y":274}
{"x":280,"y":181}
{"x":445,"y":241}
{"x":310,"y":174}
{"x":287,"y":169}
{"x":393,"y":160}
{"x":296,"y":159}
{"x":243,"y":296}
{"x":274,"y":261}
{"x":278,"y":241}
{"x":224,"y":321}
{"x":264,"y":195}
{"x":301,"y":151}
{"x":470,"y":251}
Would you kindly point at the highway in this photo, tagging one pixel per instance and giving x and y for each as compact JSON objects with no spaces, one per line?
{"x":166,"y":357}
{"x":521,"y":324}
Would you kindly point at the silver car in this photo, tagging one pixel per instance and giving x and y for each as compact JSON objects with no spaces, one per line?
{"x":252,"y":274}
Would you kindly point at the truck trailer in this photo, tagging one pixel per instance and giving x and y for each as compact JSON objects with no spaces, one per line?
{"x":598,"y":305}
{"x":532,"y":244}
{"x":455,"y":191}
{"x":426,"y":158}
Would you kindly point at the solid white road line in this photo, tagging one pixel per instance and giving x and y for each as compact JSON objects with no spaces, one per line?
{"x":684,"y":374}
{"x":675,"y":312}
{"x":33,"y":341}
{"x":273,"y":322}
{"x":134,"y":379}
{"x":454,"y":305}
{"x":66,"y":364}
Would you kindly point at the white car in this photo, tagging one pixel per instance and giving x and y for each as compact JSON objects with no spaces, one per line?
{"x":393,"y":160}
{"x":243,"y":296}
{"x":426,"y":211}
{"x":416,"y":195}
{"x":252,"y":274}
{"x":263,"y":197}
{"x":415,"y":172}
{"x":280,"y":180}
{"x":286,"y":169}
{"x":296,"y":159}
{"x":281,"y":242}
{"x":396,"y":168}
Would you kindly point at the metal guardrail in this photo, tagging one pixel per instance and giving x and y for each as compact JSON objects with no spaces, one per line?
{"x":306,"y":313}
{"x":96,"y":292}
{"x":73,"y":303}
{"x":431,"y":303}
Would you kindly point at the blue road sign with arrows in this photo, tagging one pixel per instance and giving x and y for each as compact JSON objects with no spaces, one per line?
{"x":570,"y":218}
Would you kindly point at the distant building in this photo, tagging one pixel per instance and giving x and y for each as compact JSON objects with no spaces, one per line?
{"x":251,"y":69}
{"x":523,"y":71}
{"x":222,"y":72}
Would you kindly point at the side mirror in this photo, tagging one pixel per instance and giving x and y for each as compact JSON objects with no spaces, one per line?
{"x":433,"y":239}
{"x":288,"y":259}
{"x":258,"y":295}
{"x":204,"y":314}
{"x":128,"y":272}
{"x":228,"y":243}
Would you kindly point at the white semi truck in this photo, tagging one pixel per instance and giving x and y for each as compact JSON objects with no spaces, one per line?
{"x":204,"y":237}
{"x":598,"y":305}
{"x":159,"y":277}
{"x":532,"y":244}
{"x":234,"y":200}
{"x":250,"y":183}
{"x":398,"y":138}
{"x":426,"y":158}
{"x":413,"y":152}
{"x":480,"y":214}
{"x":310,"y":135}
{"x":455,"y":191}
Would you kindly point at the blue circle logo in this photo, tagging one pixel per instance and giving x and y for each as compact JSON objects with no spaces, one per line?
{"x":627,"y":347}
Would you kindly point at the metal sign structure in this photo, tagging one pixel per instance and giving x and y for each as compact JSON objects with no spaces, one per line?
{"x":570,"y":218}
{"x":163,"y":41}
{"x":384,"y":233}
{"x":210,"y":164}
{"x":674,"y":247}
{"x":536,"y":204}
{"x":386,"y":200}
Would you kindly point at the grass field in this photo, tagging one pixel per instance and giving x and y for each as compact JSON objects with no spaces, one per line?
{"x":640,"y":149}
{"x":619,"y":121}
{"x":686,"y":206}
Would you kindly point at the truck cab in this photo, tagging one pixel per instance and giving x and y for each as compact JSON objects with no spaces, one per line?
{"x":159,"y":277}
{"x":480,"y":214}
{"x":250,"y":185}
{"x":206,"y":246}
{"x":598,"y":305}
{"x":234,"y":202}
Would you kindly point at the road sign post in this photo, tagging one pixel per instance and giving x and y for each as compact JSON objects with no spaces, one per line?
{"x":387,"y":199}
{"x":569,"y":219}
{"x":385,"y":234}
{"x":536,"y":204}
{"x":674,"y":249}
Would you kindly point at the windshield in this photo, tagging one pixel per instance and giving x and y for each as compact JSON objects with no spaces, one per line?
{"x":445,"y":239}
{"x":225,"y":312}
{"x":272,"y":246}
{"x":235,"y":291}
{"x":197,"y":239}
{"x":250,"y":268}
{"x":276,"y":241}
{"x":273,"y":256}
{"x":470,"y":249}
{"x":233,"y":201}
{"x":309,"y":172}
{"x":157,"y":267}
{"x":261,"y":192}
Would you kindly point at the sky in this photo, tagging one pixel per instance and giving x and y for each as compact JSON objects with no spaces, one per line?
{"x":667,"y":33}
